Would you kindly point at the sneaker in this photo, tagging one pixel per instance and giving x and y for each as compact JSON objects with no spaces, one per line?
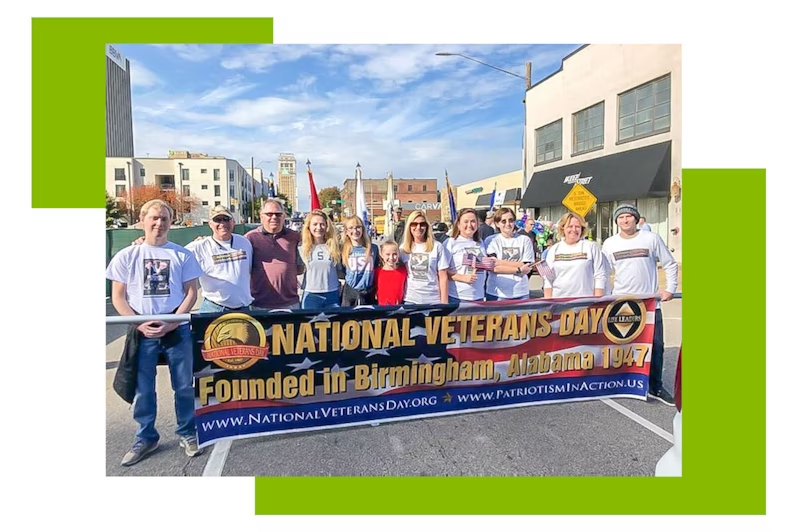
{"x":139,"y":451}
{"x":663,"y":397}
{"x":189,"y":443}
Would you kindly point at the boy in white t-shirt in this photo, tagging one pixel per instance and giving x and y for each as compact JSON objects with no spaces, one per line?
{"x":633,"y":255}
{"x":157,"y":277}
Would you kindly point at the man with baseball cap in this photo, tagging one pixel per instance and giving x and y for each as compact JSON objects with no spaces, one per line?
{"x":633,"y":255}
{"x":399,"y":231}
{"x":226,"y":262}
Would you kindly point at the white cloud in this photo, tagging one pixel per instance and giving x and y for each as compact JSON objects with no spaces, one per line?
{"x":141,"y":76}
{"x":194,"y":52}
{"x":260,"y":58}
{"x":224,"y":92}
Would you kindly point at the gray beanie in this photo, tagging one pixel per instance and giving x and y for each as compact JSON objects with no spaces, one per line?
{"x":626,"y":209}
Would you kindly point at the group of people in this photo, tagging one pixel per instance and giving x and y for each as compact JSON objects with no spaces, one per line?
{"x":420,"y":265}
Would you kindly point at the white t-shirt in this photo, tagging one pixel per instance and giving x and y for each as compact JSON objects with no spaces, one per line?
{"x":321,"y":273}
{"x":459,"y":248}
{"x":517,"y":248}
{"x":635,"y":263}
{"x":154,"y":276}
{"x":423,"y":286}
{"x":226,"y":268}
{"x":578,"y":269}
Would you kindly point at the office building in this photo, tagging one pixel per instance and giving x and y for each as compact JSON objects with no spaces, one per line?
{"x":286,"y":178}
{"x":118,"y":106}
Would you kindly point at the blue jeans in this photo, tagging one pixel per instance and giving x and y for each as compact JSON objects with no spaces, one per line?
{"x":320,"y":300}
{"x":208,"y":306}
{"x":180,"y":359}
{"x":657,"y":354}
{"x":491,"y":297}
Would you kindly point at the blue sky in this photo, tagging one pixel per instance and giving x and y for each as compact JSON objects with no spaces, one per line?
{"x":389,"y":107}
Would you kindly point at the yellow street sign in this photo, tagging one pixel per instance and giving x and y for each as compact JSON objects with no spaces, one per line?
{"x":579,"y":200}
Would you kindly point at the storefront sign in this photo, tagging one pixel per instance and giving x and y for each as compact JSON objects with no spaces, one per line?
{"x":422,"y":206}
{"x":577,"y":178}
{"x":474,"y":190}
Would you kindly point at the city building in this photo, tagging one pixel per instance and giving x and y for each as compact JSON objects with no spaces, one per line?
{"x":286,"y":177}
{"x":610,"y":119}
{"x":411,"y":193}
{"x":212,"y":180}
{"x":118,"y":106}
{"x":476,"y":194}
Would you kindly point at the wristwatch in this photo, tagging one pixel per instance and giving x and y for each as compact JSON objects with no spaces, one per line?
{"x":518,"y":271}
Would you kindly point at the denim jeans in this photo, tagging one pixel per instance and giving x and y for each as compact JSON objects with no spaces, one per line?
{"x":320,"y":300}
{"x":208,"y":306}
{"x":179,"y":356}
{"x":657,"y":353}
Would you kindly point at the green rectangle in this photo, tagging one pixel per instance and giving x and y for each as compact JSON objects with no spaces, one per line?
{"x":68,"y":80}
{"x":723,"y":379}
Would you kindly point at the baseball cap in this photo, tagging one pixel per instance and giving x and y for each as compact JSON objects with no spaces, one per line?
{"x":220,"y":210}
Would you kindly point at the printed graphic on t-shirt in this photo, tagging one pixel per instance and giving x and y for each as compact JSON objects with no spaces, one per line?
{"x":570,"y":256}
{"x":511,"y":254}
{"x":232,"y":256}
{"x":419,"y":266}
{"x":631,"y":254}
{"x":156,"y":277}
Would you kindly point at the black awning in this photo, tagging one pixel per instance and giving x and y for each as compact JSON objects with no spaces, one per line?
{"x":483,"y":200}
{"x":640,"y":173}
{"x":512,"y":195}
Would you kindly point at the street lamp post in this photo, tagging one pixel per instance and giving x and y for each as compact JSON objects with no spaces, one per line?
{"x":528,"y":79}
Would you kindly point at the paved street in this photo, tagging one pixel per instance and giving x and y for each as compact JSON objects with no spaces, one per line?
{"x":622,"y":437}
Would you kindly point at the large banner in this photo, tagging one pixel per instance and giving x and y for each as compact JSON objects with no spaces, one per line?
{"x":260,"y":373}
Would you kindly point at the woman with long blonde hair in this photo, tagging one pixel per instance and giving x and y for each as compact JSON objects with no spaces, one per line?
{"x":427,"y":262}
{"x":359,"y":259}
{"x":322,"y":257}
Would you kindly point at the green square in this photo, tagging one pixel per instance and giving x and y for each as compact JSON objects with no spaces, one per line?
{"x":723,"y":374}
{"x":68,"y":79}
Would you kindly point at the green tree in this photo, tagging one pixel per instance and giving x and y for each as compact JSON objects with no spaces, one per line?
{"x":329,"y":195}
{"x":289,"y":209}
{"x":111,"y":210}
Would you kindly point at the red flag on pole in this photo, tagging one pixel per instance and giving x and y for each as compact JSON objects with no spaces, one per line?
{"x":314,"y":197}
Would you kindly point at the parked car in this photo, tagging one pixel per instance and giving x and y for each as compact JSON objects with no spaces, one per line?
{"x":670,"y":465}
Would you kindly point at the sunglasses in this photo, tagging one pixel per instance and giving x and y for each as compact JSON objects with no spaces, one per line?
{"x":416,"y":224}
{"x":506,"y":221}
{"x":270,"y":214}
{"x":221,"y":219}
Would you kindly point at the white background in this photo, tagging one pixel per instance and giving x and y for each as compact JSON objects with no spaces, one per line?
{"x":738,"y":112}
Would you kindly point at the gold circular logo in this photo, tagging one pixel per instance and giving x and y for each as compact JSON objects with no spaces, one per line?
{"x":235,"y":341}
{"x":624,"y":320}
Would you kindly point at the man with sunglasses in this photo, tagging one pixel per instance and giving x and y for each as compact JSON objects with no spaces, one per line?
{"x":226,"y":262}
{"x":275,"y":259}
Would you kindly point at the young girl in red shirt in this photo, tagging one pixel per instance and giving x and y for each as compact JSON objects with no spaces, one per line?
{"x":390,"y":277}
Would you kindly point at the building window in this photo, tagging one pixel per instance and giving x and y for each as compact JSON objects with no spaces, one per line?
{"x":232,"y":192}
{"x":204,"y":187}
{"x":423,"y":188}
{"x":410,"y":188}
{"x":215,"y":203}
{"x":232,"y":177}
{"x":217,"y":190}
{"x":548,"y":143}
{"x":588,"y":127}
{"x":216,"y":176}
{"x":184,"y":174}
{"x":119,"y":174}
{"x":396,"y":188}
{"x":645,"y":110}
{"x":141,"y":172}
{"x":186,"y":190}
{"x":204,"y":203}
{"x":203,"y":170}
{"x":120,"y":191}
